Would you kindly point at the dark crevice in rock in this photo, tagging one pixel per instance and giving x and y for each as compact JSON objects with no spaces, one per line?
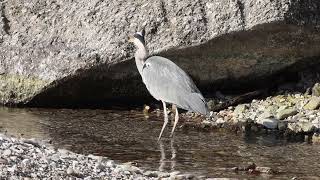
{"x":164,"y":11}
{"x":242,"y":15}
{"x":6,"y":22}
{"x":204,"y":19}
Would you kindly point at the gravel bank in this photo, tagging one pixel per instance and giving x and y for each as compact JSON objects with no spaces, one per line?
{"x":290,"y":114}
{"x":30,"y":159}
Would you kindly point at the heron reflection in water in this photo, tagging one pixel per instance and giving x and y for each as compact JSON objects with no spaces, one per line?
{"x":163,"y":159}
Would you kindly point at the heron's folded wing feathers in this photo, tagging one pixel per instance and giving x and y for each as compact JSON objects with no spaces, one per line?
{"x":166,"y":81}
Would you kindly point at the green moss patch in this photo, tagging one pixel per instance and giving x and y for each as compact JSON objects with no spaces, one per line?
{"x":17,"y":89}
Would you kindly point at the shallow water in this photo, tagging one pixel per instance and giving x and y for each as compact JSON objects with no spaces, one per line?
{"x":127,"y":136}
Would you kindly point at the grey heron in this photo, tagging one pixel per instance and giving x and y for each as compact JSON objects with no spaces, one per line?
{"x":167,"y":82}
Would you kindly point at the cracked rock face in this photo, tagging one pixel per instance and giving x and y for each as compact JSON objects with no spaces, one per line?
{"x":77,"y":52}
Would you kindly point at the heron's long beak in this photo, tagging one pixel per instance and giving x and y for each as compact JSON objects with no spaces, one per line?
{"x":131,"y":38}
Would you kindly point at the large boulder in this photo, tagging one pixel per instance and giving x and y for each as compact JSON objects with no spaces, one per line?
{"x":76,"y":52}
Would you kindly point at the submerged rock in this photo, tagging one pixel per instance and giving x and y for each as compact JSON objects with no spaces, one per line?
{"x":270,"y":123}
{"x":75,"y":52}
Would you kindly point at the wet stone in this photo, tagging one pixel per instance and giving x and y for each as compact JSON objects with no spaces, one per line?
{"x":270,"y":123}
{"x":284,"y":113}
{"x":316,"y":90}
{"x":240,"y":109}
{"x":313,"y":104}
{"x":6,"y":152}
{"x":266,"y":170}
{"x":3,"y":161}
{"x":301,"y":127}
{"x":316,"y":138}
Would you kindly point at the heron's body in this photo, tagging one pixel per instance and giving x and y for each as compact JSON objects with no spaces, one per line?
{"x":167,"y":82}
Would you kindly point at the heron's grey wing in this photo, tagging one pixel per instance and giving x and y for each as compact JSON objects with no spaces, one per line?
{"x":166,"y":81}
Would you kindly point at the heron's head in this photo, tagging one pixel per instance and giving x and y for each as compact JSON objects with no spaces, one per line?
{"x":138,"y":39}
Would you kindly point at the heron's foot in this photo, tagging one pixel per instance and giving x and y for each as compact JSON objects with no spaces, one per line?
{"x":171,"y":135}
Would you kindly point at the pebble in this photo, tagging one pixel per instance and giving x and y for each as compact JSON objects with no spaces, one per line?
{"x":301,"y":127}
{"x":3,"y":161}
{"x":6,"y":152}
{"x":284,"y":113}
{"x":316,"y":138}
{"x":270,"y":123}
{"x":240,"y":109}
{"x":316,"y":90}
{"x":313,"y":104}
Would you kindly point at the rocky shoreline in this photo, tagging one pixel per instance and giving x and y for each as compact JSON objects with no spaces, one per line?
{"x":31,"y":159}
{"x":289,"y":114}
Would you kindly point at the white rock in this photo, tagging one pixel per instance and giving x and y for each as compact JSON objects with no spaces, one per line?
{"x":70,"y":170}
{"x":12,"y":169}
{"x":6,"y":152}
{"x":270,"y":123}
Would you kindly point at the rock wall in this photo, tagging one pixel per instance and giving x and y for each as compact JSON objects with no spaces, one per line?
{"x":69,"y":52}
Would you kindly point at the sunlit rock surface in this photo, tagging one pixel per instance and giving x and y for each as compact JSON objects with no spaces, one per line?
{"x":72,"y":52}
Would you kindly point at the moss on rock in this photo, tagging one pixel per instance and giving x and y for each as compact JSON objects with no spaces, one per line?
{"x":19,"y":89}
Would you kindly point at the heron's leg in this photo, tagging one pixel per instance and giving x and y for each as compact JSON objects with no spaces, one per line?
{"x":165,"y":118}
{"x":176,"y":118}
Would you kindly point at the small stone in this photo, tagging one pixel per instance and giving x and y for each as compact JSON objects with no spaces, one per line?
{"x":13,"y":158}
{"x":240,"y":109}
{"x":301,"y":127}
{"x":220,"y":121}
{"x":282,"y":114}
{"x":266,"y":170}
{"x":70,"y":170}
{"x":316,"y":123}
{"x":174,"y":174}
{"x":270,"y":123}
{"x":55,"y":157}
{"x":306,"y":126}
{"x":110,"y":163}
{"x":98,"y":158}
{"x":264,"y":115}
{"x":313,"y":104}
{"x":316,"y":138}
{"x":3,"y":161}
{"x":151,"y":174}
{"x":6,"y":152}
{"x":316,"y":90}
{"x":98,"y":167}
{"x":272,"y":109}
{"x":211,"y":104}
{"x":12,"y":169}
{"x":163,"y":175}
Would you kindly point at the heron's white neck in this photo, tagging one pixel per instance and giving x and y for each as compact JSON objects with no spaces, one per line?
{"x":140,"y":56}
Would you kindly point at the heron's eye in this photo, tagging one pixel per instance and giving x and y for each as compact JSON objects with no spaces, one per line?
{"x":146,"y":65}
